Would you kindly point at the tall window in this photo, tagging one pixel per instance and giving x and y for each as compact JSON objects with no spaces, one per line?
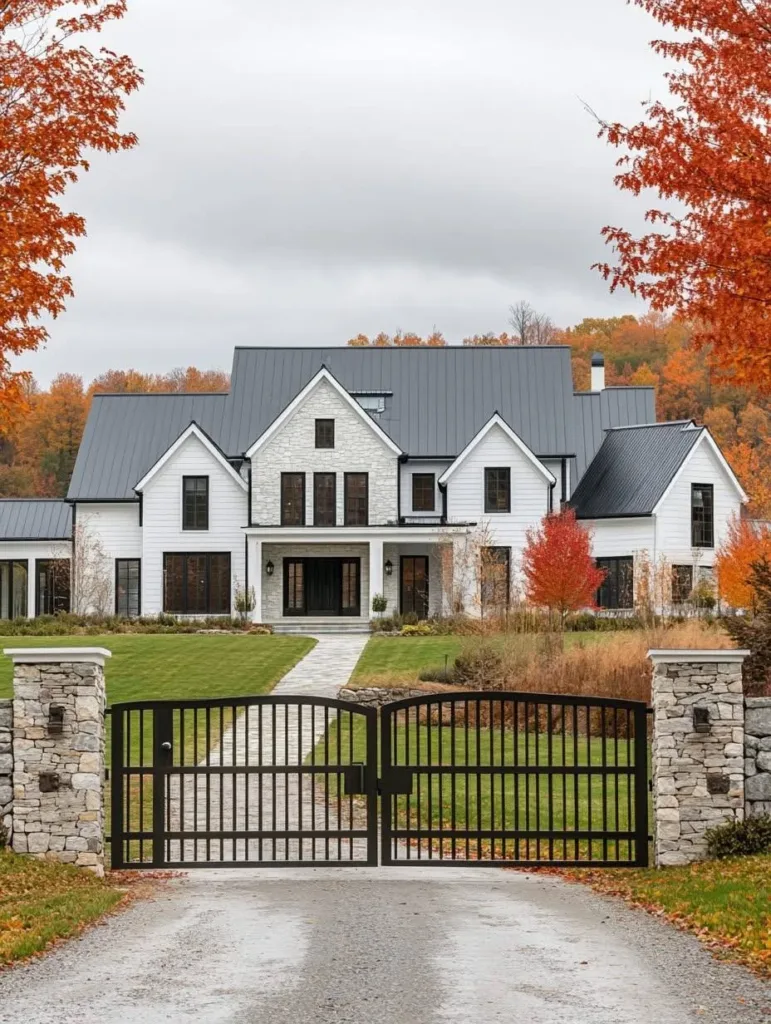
{"x":293,"y":499}
{"x":127,"y":587}
{"x":196,"y":584}
{"x":702,"y":516}
{"x":423,"y":491}
{"x":682,"y":583}
{"x":356,"y":499}
{"x":498,"y":490}
{"x":617,"y":589}
{"x":195,"y":503}
{"x":13,"y":589}
{"x":495,"y":575}
{"x":324,"y":499}
{"x":52,"y":586}
{"x":325,"y":433}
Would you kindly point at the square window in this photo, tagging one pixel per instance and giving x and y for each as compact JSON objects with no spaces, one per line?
{"x":498,"y":490}
{"x":325,"y":433}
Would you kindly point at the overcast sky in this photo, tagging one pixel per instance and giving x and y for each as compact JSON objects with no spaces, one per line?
{"x":307,"y":171}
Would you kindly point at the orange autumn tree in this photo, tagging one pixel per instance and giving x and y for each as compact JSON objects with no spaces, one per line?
{"x":746,"y":543}
{"x":707,"y":154}
{"x":559,"y":569}
{"x":58,"y":100}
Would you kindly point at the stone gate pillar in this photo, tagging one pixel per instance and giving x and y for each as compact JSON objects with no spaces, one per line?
{"x":698,"y":749}
{"x":58,"y":752}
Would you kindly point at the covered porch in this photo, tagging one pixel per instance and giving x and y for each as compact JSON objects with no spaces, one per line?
{"x":306,"y":575}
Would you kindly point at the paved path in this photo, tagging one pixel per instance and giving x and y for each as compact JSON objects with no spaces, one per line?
{"x":380,"y":946}
{"x":273,"y":736}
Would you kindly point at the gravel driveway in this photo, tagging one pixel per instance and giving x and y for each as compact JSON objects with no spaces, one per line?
{"x":380,"y":946}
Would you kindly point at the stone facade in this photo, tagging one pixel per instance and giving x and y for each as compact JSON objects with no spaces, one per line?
{"x":273,"y":586}
{"x":58,"y":771}
{"x":436,"y":589}
{"x":293,"y":449}
{"x":6,"y":768}
{"x":757,"y":755}
{"x":377,"y":696}
{"x":698,"y":761}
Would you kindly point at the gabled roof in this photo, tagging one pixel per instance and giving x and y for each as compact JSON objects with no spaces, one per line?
{"x":313,"y":383}
{"x":193,"y":430}
{"x":35,"y":519}
{"x":633,"y":468}
{"x":496,"y":421}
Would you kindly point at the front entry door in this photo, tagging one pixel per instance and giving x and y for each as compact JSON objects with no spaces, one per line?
{"x":414,"y":587}
{"x":322,"y":586}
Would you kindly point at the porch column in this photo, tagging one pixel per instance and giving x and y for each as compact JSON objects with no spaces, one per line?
{"x":375,"y":572}
{"x":254,"y":555}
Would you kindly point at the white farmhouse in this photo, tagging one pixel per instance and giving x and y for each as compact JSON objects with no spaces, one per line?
{"x":326,"y":477}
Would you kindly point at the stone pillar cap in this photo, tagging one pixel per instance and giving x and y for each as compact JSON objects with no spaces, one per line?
{"x":724,"y":656}
{"x":56,"y":655}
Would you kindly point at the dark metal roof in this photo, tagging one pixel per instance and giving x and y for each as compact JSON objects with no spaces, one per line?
{"x":633,"y":468}
{"x":436,"y":400}
{"x":598,"y":411}
{"x":35,"y":519}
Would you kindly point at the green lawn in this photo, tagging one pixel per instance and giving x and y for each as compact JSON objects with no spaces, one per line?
{"x":400,"y":659}
{"x":178,"y":665}
{"x":493,"y":802}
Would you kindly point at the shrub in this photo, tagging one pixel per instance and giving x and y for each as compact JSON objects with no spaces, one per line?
{"x":480,"y":667}
{"x":66,"y":624}
{"x":379,"y":603}
{"x":438,"y":675}
{"x":417,"y":629}
{"x":740,"y":838}
{"x":410,"y":619}
{"x":754,"y":632}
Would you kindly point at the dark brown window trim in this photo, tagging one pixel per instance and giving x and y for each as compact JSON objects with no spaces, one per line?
{"x":316,"y":477}
{"x":302,"y":508}
{"x":423,"y":477}
{"x":346,"y":516}
{"x":496,"y":509}
{"x":208,"y":555}
{"x":190,"y":522}
{"x":325,"y":433}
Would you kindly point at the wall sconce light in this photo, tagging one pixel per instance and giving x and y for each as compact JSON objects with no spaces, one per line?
{"x":389,"y":567}
{"x":269,"y":569}
{"x":55,"y":718}
{"x":701,"y":719}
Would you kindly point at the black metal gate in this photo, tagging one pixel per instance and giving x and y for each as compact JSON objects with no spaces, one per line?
{"x":465,"y":778}
{"x":268,"y":781}
{"x":513,"y":779}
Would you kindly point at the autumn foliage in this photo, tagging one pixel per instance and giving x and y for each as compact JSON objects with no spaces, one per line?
{"x":707,"y":155}
{"x":558,"y":565}
{"x":746,"y":543}
{"x":58,"y":100}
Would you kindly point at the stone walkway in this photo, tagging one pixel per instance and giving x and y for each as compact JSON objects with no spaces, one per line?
{"x":277,"y":736}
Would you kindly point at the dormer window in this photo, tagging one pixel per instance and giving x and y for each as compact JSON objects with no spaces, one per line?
{"x":373,"y":402}
{"x":325,"y":433}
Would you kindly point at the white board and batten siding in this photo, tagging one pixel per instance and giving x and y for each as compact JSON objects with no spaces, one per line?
{"x":615,"y":538}
{"x":162,"y":519}
{"x":116,"y":526}
{"x":407,"y":470}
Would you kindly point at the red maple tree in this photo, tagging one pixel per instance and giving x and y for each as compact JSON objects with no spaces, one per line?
{"x":558,"y":565}
{"x":58,"y":100}
{"x":707,"y":154}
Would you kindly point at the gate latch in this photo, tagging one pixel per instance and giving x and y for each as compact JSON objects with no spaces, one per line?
{"x":353,"y":779}
{"x":396,"y":780}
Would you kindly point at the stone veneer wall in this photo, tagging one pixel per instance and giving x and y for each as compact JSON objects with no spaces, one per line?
{"x":757,"y":755}
{"x":377,"y":696}
{"x":58,"y":777}
{"x":6,"y":768}
{"x":698,"y":777}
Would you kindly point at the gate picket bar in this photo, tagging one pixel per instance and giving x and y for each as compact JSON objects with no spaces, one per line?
{"x":465,"y":778}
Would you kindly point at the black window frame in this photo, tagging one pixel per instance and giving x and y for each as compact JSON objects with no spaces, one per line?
{"x":424,"y":478}
{"x":195,"y":513}
{"x":316,"y":479}
{"x":209,"y":608}
{"x":703,"y":516}
{"x":503,"y":479}
{"x":609,"y":591}
{"x":680,"y":594}
{"x":12,"y":563}
{"x":128,"y":613}
{"x":347,"y":518}
{"x":63,"y":600}
{"x":285,"y":521}
{"x":321,"y":426}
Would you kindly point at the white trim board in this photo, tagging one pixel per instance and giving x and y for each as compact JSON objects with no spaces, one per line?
{"x":192,"y":431}
{"x":313,"y":383}
{"x":496,"y":420}
{"x":57,"y":655}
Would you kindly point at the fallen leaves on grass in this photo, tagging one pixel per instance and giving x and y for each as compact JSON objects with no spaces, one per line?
{"x":726,"y":904}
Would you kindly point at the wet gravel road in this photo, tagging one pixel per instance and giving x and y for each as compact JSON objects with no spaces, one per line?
{"x":380,"y":946}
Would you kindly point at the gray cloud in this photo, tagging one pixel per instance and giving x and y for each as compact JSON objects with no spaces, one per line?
{"x":308,"y":171}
